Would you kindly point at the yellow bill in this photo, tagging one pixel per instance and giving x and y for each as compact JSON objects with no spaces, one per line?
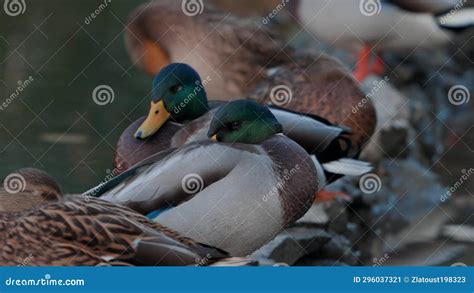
{"x":214,"y":137}
{"x":156,"y":118}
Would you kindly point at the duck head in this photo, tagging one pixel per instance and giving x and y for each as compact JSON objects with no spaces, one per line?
{"x":177,"y":94}
{"x":27,"y":188}
{"x":243,"y":121}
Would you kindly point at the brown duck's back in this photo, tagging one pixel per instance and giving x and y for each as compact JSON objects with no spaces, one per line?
{"x":322,"y":86}
{"x":230,"y":51}
{"x":92,"y":232}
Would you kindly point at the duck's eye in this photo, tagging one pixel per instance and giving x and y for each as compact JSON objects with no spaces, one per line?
{"x":175,"y":88}
{"x":234,"y":126}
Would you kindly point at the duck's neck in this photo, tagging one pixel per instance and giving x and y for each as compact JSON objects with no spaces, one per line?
{"x":296,"y":175}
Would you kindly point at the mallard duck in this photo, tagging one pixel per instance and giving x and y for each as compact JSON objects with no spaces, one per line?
{"x":372,"y":26}
{"x":236,"y":193}
{"x":239,"y":59}
{"x":82,"y":231}
{"x":180,"y":114}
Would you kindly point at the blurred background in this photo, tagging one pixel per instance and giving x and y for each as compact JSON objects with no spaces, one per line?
{"x":55,"y":54}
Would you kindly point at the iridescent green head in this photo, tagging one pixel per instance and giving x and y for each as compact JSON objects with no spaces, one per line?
{"x":243,"y":121}
{"x":177,"y":93}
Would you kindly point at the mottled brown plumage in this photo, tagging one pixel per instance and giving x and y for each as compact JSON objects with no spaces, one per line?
{"x":323,"y":87}
{"x":40,"y":227}
{"x":244,"y":59}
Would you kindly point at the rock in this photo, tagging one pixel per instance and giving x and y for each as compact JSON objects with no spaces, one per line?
{"x":315,"y":215}
{"x":394,"y":138}
{"x":320,"y":262}
{"x":408,"y":212}
{"x":433,"y":253}
{"x":289,"y":246}
{"x":339,"y":248}
{"x":392,"y":113}
{"x":462,"y":233}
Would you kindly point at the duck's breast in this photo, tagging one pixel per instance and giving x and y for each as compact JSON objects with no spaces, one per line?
{"x":239,"y":213}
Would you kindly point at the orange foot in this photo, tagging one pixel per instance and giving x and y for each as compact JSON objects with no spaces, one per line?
{"x":325,"y":195}
{"x":379,"y":66}
{"x":363,"y":66}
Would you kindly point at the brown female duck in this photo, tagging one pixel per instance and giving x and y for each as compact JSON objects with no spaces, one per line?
{"x":86,"y":231}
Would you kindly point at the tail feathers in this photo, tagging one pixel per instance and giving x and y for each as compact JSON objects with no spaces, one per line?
{"x":346,"y":166}
{"x":235,"y":262}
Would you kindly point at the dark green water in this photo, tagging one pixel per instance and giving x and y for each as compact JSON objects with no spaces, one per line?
{"x":54,"y":124}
